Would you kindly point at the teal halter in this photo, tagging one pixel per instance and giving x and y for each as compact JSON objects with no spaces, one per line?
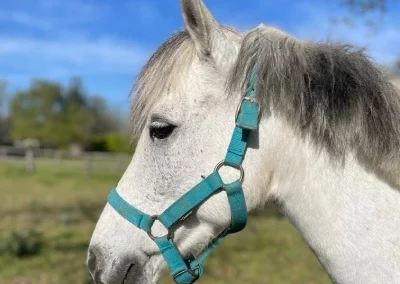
{"x":187,"y":271}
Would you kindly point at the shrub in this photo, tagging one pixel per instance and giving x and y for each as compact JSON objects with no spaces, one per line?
{"x":97,"y":144}
{"x":111,"y":142}
{"x":117,"y":143}
{"x":26,"y":242}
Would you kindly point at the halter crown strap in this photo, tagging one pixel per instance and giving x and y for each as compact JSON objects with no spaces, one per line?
{"x":187,"y":271}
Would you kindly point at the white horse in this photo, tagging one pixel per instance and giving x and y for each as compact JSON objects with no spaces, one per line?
{"x":327,"y":150}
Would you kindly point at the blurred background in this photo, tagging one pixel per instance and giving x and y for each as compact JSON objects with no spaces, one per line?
{"x":66,"y":71}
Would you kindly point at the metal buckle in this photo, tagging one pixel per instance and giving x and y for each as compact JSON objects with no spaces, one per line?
{"x":169,"y":235}
{"x":222,"y":163}
{"x":252,"y":100}
{"x":191,"y":272}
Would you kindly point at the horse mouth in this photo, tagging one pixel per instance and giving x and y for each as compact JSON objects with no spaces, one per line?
{"x":125,"y":280}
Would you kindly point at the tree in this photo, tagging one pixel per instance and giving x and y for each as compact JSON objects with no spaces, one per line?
{"x":78,"y":120}
{"x":371,"y":11}
{"x":75,"y":93}
{"x":37,"y":112}
{"x":3,"y":94}
{"x":58,"y":116}
{"x":364,"y":7}
{"x":105,"y":121}
{"x":4,"y":122}
{"x":367,"y":8}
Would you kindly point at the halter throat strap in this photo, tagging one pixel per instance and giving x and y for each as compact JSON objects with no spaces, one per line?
{"x":188,"y":270}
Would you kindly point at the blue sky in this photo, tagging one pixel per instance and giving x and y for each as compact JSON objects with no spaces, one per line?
{"x":107,"y":42}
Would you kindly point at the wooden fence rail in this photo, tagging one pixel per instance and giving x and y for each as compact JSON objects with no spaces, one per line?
{"x":117,"y":161}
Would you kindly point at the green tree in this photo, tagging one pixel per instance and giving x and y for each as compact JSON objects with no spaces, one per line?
{"x":105,"y":120}
{"x":58,"y":116}
{"x":37,"y":112}
{"x":77,"y":118}
{"x":75,"y":93}
{"x":4,"y":122}
{"x":3,"y":96}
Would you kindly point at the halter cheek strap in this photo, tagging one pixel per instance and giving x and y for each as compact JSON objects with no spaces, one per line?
{"x":187,"y":271}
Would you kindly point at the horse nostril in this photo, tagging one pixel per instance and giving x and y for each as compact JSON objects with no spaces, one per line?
{"x":102,"y":271}
{"x":94,"y":262}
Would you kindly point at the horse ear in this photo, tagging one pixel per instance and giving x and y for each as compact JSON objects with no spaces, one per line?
{"x":199,"y":23}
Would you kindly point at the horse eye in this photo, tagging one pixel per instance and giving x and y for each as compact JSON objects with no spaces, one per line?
{"x":160,"y":130}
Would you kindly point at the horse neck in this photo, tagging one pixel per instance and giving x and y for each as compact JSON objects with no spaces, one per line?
{"x":348,"y":216}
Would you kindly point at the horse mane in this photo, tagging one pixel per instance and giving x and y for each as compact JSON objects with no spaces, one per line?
{"x":161,"y":73}
{"x":332,"y":93}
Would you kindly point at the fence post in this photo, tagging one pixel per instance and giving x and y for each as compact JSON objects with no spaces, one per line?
{"x":57,"y":157}
{"x":29,"y":160}
{"x":3,"y":153}
{"x":88,"y":165}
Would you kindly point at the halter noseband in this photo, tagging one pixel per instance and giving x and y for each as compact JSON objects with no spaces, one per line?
{"x":187,"y":271}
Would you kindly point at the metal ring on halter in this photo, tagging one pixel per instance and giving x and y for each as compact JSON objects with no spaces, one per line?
{"x":169,"y":235}
{"x":190,"y":271}
{"x":252,"y":100}
{"x":222,"y":163}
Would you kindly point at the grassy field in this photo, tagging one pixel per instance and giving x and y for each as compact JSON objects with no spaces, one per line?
{"x":61,"y":205}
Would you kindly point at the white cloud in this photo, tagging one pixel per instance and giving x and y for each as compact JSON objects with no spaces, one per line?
{"x":73,"y":56}
{"x":65,"y":47}
{"x":71,"y":10}
{"x":79,"y":6}
{"x":52,"y":15}
{"x":25,"y":19}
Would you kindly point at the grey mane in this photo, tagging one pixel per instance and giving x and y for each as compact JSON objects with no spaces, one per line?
{"x":160,"y":73}
{"x":331,"y":93}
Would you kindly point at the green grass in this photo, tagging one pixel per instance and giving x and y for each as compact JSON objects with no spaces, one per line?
{"x":63,"y":205}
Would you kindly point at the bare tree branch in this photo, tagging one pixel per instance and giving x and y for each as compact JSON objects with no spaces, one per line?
{"x":364,"y":7}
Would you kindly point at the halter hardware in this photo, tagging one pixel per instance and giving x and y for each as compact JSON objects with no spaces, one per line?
{"x":223,"y":163}
{"x":190,"y":271}
{"x":187,"y":271}
{"x":252,"y":101}
{"x":169,"y":235}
